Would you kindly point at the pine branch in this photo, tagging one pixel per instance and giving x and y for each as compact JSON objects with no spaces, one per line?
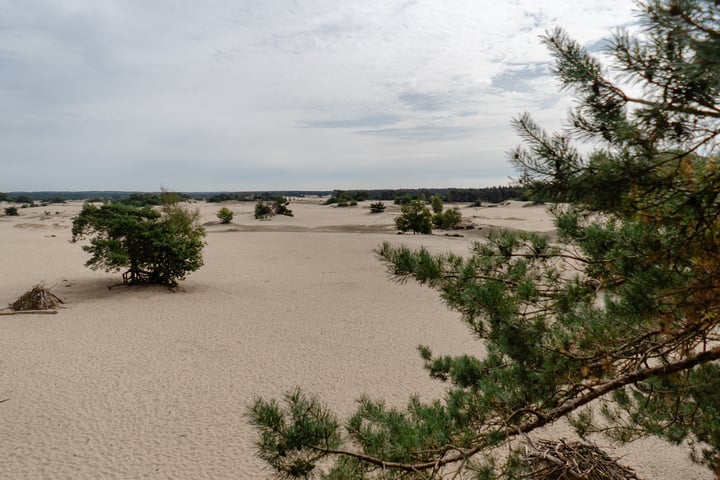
{"x":542,"y":419}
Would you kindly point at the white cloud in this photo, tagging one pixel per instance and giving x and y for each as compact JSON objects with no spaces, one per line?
{"x":108,"y":94}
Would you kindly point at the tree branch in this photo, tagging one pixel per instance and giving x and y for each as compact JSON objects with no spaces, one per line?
{"x":549,"y":417}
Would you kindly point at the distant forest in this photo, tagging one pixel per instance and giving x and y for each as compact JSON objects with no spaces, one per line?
{"x":462,"y":195}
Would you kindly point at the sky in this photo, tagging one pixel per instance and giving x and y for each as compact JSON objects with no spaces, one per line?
{"x":244,"y":95}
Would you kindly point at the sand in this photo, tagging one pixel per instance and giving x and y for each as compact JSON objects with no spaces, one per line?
{"x":142,"y":382}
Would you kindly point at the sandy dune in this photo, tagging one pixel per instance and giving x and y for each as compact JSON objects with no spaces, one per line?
{"x":147,"y":383}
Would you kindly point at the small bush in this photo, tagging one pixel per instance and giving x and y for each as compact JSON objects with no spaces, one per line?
{"x":416,"y":217}
{"x":377,"y":207}
{"x":12,"y":211}
{"x":280,"y":207}
{"x":225,"y":215}
{"x":262,"y":210}
{"x":437,"y":204}
{"x":448,"y":219}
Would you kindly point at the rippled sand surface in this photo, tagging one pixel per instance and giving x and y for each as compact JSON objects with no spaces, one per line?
{"x":142,"y":382}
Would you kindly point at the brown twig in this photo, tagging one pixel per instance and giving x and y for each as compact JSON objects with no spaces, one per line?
{"x":28,"y":312}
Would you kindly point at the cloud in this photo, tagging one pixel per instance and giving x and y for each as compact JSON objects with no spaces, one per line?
{"x":519,"y":78}
{"x":428,"y":102}
{"x":364,"y":122}
{"x":424,"y":133}
{"x":200,"y":96}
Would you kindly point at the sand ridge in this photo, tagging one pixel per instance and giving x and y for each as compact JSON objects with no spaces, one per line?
{"x":142,"y":382}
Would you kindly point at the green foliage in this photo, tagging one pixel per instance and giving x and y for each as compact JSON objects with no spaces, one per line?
{"x":494,"y":194}
{"x":225,"y":197}
{"x":141,"y":200}
{"x":278,"y":206}
{"x":263,"y":210}
{"x":225,"y":215}
{"x":347,"y":198}
{"x":156,"y":246}
{"x":11,"y":211}
{"x":617,"y":325}
{"x":293,"y":439}
{"x":448,"y":219}
{"x":377,"y":207}
{"x":415,"y":217}
{"x":437,"y":204}
{"x":405,"y":198}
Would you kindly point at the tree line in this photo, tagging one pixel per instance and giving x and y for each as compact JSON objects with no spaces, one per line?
{"x":495,"y":194}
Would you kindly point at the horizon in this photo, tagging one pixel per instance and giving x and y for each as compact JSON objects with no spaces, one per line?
{"x":362,"y":189}
{"x":96,"y":192}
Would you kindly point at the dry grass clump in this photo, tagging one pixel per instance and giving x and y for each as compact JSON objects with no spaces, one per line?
{"x":38,"y":298}
{"x":563,"y":460}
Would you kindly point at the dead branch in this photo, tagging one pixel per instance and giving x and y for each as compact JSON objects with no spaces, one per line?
{"x":37,"y":298}
{"x":28,"y":312}
{"x":562,"y":460}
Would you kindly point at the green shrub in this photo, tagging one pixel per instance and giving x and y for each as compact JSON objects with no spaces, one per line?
{"x":263,"y":210}
{"x":416,"y":217}
{"x":448,"y":219}
{"x":156,"y":246}
{"x":377,"y":207}
{"x":404,"y":198}
{"x":141,"y":200}
{"x":437,"y":204}
{"x":11,"y":211}
{"x":280,"y":207}
{"x":225,"y":215}
{"x":347,"y":199}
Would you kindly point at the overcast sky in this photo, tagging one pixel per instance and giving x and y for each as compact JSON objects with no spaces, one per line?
{"x":277,"y":94}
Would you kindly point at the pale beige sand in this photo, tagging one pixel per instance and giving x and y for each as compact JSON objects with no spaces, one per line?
{"x":146,"y":383}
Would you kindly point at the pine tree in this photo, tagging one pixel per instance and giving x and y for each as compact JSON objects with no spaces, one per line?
{"x":158,"y":246}
{"x":415,"y":217}
{"x":615,"y":327}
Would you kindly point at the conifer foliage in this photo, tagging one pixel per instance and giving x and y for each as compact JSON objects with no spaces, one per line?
{"x":155,"y":245}
{"x":615,"y":326}
{"x":415,"y":217}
